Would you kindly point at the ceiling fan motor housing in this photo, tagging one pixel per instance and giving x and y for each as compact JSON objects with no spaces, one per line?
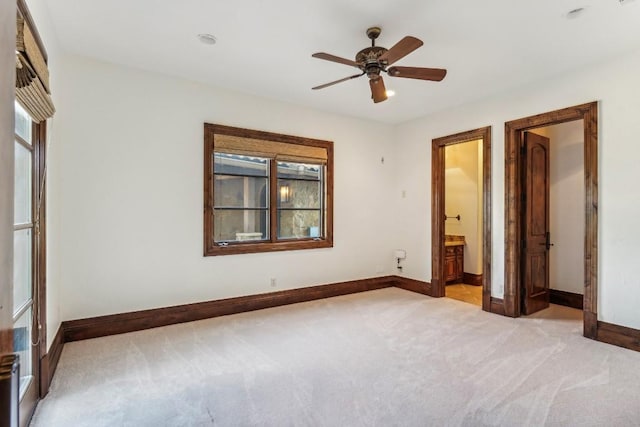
{"x":368,"y":60}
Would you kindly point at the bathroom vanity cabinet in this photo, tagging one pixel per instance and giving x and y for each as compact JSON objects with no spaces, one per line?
{"x":454,"y":262}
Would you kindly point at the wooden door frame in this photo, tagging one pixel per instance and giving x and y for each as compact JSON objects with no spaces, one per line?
{"x":437,"y":210}
{"x":513,"y":221}
{"x":40,"y":255}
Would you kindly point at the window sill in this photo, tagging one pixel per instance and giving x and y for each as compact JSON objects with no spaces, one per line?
{"x":249,"y":248}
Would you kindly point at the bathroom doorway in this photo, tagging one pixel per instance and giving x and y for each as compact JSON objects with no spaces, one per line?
{"x":461,"y":217}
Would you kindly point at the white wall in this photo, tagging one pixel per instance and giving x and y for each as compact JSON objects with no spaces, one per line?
{"x":619,"y":205}
{"x":129,"y":183}
{"x":463,"y":196}
{"x":566,"y":206}
{"x":7,"y":85}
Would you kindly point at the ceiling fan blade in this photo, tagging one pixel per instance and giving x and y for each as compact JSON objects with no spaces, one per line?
{"x":333,"y":58}
{"x":434,"y":74}
{"x":401,"y":49}
{"x":337,"y":81}
{"x":378,"y":91}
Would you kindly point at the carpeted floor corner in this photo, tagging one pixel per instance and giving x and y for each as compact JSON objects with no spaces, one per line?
{"x":381,"y":358}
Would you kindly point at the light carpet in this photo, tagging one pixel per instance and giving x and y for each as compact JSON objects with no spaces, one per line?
{"x":381,"y":358}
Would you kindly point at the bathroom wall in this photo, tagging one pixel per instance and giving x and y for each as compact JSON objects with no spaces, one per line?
{"x":463,"y":196}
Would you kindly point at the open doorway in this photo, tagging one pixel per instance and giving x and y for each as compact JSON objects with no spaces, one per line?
{"x":527,"y":214}
{"x":553,"y":203}
{"x":463,"y":221}
{"x":461,"y":217}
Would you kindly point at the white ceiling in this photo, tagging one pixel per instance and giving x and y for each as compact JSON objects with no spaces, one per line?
{"x":264,"y":47}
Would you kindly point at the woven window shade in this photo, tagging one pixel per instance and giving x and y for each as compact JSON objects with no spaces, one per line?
{"x":32,"y":75}
{"x":269,"y":149}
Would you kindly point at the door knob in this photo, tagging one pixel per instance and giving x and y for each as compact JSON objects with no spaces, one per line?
{"x":547,"y":241}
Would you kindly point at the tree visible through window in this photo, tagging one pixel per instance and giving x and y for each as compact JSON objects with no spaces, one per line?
{"x":266,"y":192}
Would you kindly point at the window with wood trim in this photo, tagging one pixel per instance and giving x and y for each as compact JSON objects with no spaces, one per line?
{"x":265,"y":192}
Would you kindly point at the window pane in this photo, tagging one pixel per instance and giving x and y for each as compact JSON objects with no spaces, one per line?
{"x":240,"y":225}
{"x":240,"y":192}
{"x":22,"y":346}
{"x":23,"y":123}
{"x":298,"y":170}
{"x":297,"y":224}
{"x":298,"y":194}
{"x":21,"y":268}
{"x":234,"y":164}
{"x":23,"y":194}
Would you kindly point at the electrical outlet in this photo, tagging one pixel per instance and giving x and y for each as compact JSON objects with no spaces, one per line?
{"x":273,"y":282}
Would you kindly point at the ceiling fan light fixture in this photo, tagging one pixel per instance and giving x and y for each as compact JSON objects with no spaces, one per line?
{"x":206,"y":38}
{"x":390,"y":93}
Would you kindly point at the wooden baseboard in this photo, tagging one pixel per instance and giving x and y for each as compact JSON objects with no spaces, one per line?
{"x":472,"y":279}
{"x":621,"y":336}
{"x":55,"y":352}
{"x":49,"y":362}
{"x":590,"y":325}
{"x":497,"y":306}
{"x":45,"y":382}
{"x":413,"y":285}
{"x":94,"y":327}
{"x":568,"y":299}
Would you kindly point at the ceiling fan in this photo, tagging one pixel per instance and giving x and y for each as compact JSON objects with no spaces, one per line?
{"x":375,"y":59}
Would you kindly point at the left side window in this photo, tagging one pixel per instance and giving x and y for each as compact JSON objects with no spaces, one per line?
{"x":23,"y":245}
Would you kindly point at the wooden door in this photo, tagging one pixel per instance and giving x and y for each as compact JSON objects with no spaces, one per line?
{"x":535,"y":271}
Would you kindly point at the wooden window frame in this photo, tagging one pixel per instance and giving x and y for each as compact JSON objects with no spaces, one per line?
{"x":211,"y":248}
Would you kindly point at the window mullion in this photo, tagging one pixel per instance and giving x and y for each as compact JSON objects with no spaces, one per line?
{"x":273,"y":200}
{"x":23,"y":142}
